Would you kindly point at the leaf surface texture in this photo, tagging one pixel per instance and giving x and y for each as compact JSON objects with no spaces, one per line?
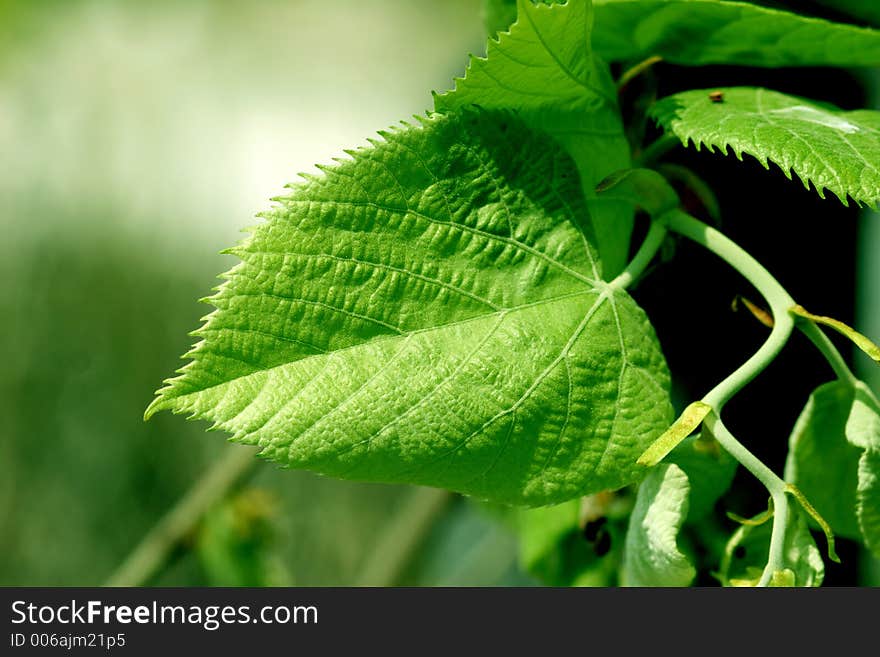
{"x":823,"y":145}
{"x":432,"y":311}
{"x":699,"y":32}
{"x":544,"y":69}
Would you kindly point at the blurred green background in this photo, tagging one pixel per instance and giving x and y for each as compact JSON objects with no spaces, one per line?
{"x":136,"y":140}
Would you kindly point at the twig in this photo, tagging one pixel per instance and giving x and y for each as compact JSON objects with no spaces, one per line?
{"x":156,"y":548}
{"x":404,"y":534}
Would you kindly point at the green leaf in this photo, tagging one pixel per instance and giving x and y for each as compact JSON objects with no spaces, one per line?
{"x":553,"y":548}
{"x":868,"y":499}
{"x":432,"y":312}
{"x":235,"y":542}
{"x":747,"y":551}
{"x":652,"y":556}
{"x":821,"y":144}
{"x":699,"y":32}
{"x":545,"y":70}
{"x":831,"y":458}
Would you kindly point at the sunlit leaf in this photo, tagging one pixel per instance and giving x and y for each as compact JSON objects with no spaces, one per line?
{"x":544,"y":69}
{"x":432,"y":312}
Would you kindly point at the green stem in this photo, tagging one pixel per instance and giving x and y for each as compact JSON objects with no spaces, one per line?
{"x":780,"y":302}
{"x":823,"y":344}
{"x":650,"y":246}
{"x":777,"y":298}
{"x":157,"y":547}
{"x":775,"y":485}
{"x":406,"y":531}
{"x":656,"y":150}
{"x":635,"y":71}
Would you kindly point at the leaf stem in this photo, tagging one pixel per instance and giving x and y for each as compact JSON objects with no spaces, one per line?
{"x":777,"y":298}
{"x":634,"y":71}
{"x":656,"y":150}
{"x":157,"y":547}
{"x":780,"y":303}
{"x":776,"y":487}
{"x":829,"y":351}
{"x":405,"y":533}
{"x":651,"y":244}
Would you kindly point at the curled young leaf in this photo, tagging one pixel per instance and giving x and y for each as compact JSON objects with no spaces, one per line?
{"x":652,"y":556}
{"x":832,"y":458}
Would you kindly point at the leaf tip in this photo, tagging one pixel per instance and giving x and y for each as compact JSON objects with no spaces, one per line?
{"x":158,"y":404}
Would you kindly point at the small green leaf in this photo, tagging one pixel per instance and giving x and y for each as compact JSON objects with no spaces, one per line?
{"x":859,"y":340}
{"x":699,"y":32}
{"x":652,"y":556}
{"x":821,"y":144}
{"x":554,"y":549}
{"x":235,"y":542}
{"x":544,"y":69}
{"x":431,"y":311}
{"x":832,"y":455}
{"x":684,"y":426}
{"x":541,"y":532}
{"x":747,"y":551}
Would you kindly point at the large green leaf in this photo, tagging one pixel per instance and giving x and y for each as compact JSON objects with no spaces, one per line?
{"x":822,"y":145}
{"x":432,"y":312}
{"x":545,"y":70}
{"x":832,"y":458}
{"x":553,"y":547}
{"x":577,"y":543}
{"x":697,"y":32}
{"x":652,"y":556}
